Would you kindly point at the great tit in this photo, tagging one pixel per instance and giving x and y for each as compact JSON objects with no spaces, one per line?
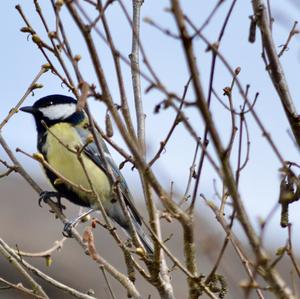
{"x":61,"y":129}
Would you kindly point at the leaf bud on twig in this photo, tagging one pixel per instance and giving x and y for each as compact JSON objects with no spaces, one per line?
{"x":27,"y":30}
{"x":46,"y":66}
{"x":36,"y":39}
{"x":108,"y":126}
{"x":36,"y":86}
{"x":38,"y":157}
{"x":59,"y":3}
{"x":77,"y":57}
{"x":237,"y":70}
{"x":52,"y":34}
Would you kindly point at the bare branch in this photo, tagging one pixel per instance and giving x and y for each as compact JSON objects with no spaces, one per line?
{"x":273,"y":278}
{"x":29,"y":90}
{"x":20,"y":288}
{"x":18,"y":265}
{"x":88,"y":238}
{"x":135,"y":72}
{"x":42,"y":275}
{"x":276,"y":70}
{"x":293,"y":32}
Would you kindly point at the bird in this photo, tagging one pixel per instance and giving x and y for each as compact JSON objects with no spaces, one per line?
{"x":61,"y":131}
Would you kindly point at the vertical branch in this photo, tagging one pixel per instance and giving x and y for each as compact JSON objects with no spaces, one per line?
{"x":203,"y":109}
{"x":276,"y":70}
{"x":210,"y":88}
{"x":135,"y":73}
{"x":116,"y":58}
{"x":165,"y":289}
{"x":42,"y":46}
{"x":56,"y":51}
{"x":279,"y":287}
{"x":159,"y":269}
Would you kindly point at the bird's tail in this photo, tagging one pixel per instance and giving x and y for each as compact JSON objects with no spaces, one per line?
{"x":144,"y":238}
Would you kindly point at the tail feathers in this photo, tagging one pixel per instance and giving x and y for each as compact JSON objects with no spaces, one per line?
{"x":116,"y":213}
{"x":145,"y":240}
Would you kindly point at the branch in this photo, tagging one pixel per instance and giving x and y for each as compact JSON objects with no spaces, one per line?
{"x":276,"y":71}
{"x":42,"y":275}
{"x":16,"y":263}
{"x":54,"y":207}
{"x":135,"y":73}
{"x":293,"y":32}
{"x":176,"y":121}
{"x":278,"y":285}
{"x":56,"y":247}
{"x":234,"y":241}
{"x":290,"y":251}
{"x":41,"y":45}
{"x":31,"y":87}
{"x":52,"y":36}
{"x":116,"y":57}
{"x":20,"y":288}
{"x":88,"y":238}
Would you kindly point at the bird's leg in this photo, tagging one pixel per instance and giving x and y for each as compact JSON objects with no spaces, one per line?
{"x":46,"y":195}
{"x":67,"y":232}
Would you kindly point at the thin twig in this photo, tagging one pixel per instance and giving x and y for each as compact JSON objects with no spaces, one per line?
{"x":54,"y":206}
{"x":107,"y":282}
{"x":291,"y":34}
{"x":272,"y":277}
{"x":41,"y":159}
{"x":210,"y":89}
{"x":234,"y":241}
{"x":57,"y":246}
{"x":29,"y":90}
{"x":40,"y":45}
{"x":44,"y":276}
{"x":18,"y":265}
{"x":175,"y":123}
{"x":20,"y":288}
{"x":135,"y":73}
{"x":116,"y":57}
{"x":277,"y":73}
{"x":55,"y":48}
{"x":290,"y":251}
{"x":88,"y":238}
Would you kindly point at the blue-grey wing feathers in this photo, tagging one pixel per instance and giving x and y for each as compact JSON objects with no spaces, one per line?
{"x":91,"y":150}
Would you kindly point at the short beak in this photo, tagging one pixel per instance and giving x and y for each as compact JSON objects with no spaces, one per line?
{"x":28,"y":109}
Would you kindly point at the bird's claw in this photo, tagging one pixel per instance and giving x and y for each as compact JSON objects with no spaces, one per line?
{"x":67,"y":232}
{"x":46,"y":195}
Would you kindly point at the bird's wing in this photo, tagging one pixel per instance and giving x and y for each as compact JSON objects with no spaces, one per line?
{"x":92,"y":152}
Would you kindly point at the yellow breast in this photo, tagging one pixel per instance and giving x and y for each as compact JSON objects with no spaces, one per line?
{"x":60,"y":139}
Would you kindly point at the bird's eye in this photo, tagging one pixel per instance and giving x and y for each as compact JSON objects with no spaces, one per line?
{"x":51,"y":103}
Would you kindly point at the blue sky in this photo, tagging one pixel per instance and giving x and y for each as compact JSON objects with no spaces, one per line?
{"x":20,"y":61}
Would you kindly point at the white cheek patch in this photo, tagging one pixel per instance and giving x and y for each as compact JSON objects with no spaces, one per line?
{"x":59,"y":111}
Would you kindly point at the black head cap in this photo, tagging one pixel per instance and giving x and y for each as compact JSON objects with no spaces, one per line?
{"x":53,"y":109}
{"x":54,"y":99}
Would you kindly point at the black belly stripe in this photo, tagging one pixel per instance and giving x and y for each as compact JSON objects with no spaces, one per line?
{"x":65,"y":191}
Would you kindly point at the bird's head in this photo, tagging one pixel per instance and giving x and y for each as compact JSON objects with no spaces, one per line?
{"x":54,"y":109}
